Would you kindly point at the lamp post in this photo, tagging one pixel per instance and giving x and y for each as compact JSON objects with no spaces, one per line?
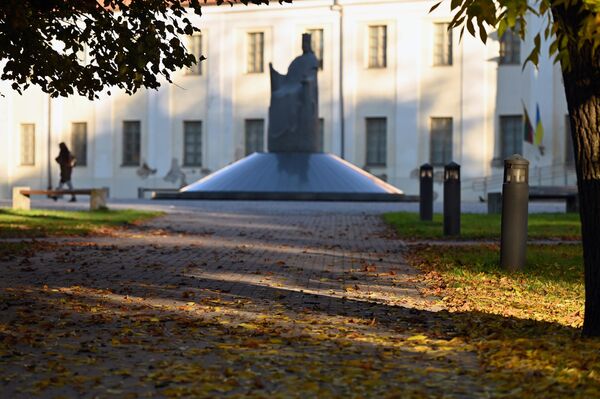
{"x":338,"y":7}
{"x":426,"y":192}
{"x":515,"y":202}
{"x":49,"y":144}
{"x":452,"y":199}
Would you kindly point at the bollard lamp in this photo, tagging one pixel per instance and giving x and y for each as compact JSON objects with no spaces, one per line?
{"x":516,"y":169}
{"x":452,"y":199}
{"x":426,"y":192}
{"x":426,"y":171}
{"x":515,"y":200}
{"x":452,"y":171}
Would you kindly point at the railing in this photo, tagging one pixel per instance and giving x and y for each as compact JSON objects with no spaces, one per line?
{"x":551,"y":175}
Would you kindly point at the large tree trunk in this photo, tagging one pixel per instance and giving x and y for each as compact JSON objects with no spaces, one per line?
{"x":582,"y":87}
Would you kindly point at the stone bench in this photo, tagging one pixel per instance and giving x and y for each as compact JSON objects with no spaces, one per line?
{"x":541,"y":193}
{"x":21,"y":196}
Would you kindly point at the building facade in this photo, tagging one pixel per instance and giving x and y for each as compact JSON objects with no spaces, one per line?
{"x":396,"y":90}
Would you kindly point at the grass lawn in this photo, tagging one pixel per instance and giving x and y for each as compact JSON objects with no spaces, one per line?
{"x":549,"y":289}
{"x":483,"y":226}
{"x":525,"y":326}
{"x":45,"y":223}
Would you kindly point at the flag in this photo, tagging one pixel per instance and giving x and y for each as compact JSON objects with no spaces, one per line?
{"x":539,"y":129}
{"x":527,"y":127}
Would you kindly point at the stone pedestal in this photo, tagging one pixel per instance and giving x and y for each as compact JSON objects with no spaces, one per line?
{"x":20,"y":201}
{"x":98,"y":199}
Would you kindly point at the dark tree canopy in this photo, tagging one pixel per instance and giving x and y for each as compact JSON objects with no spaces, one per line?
{"x":130,"y":44}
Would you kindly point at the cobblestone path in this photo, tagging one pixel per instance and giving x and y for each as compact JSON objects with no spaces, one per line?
{"x":210,"y":304}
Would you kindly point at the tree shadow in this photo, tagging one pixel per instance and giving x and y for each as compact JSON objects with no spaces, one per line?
{"x":364,"y":331}
{"x":135,"y":305}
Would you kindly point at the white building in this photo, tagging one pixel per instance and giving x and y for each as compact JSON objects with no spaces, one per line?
{"x":396,"y":90}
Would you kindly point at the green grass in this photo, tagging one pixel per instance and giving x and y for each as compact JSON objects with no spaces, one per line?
{"x":483,"y":226}
{"x":550,"y":288}
{"x":524,"y":326}
{"x":45,"y":223}
{"x":545,"y":263}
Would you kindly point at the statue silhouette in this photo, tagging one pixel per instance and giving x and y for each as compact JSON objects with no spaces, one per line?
{"x":294,"y":109}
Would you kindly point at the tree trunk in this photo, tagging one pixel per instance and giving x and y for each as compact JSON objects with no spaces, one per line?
{"x":582,"y":87}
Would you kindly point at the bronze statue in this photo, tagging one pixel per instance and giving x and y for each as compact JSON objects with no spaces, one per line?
{"x":294,"y":109}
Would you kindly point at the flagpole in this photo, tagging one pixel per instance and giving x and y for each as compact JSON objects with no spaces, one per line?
{"x":527,"y":127}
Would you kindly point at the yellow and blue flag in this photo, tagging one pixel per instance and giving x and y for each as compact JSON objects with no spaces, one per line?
{"x":539,"y":128}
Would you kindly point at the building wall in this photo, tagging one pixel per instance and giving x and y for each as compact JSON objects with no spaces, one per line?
{"x":6,"y":125}
{"x":475,"y":91}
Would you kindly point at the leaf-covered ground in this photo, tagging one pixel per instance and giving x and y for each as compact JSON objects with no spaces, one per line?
{"x":525,"y":327}
{"x":212,"y":305}
{"x":99,"y":344}
{"x":225,"y":304}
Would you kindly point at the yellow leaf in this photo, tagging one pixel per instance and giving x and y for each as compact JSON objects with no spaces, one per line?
{"x":419,"y":337}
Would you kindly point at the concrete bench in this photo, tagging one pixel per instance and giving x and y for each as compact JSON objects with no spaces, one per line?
{"x":21,"y":196}
{"x":541,"y":193}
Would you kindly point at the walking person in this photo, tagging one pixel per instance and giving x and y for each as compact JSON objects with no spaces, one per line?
{"x":66,"y":160}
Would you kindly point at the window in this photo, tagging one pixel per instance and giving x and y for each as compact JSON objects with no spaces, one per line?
{"x":316,"y":42}
{"x":510,"y":48}
{"x":194,"y":47}
{"x":131,"y":143}
{"x":255,"y":135}
{"x":377,"y":46}
{"x":79,"y":142}
{"x":441,"y":141}
{"x":321,"y":138}
{"x":511,"y":135}
{"x":255,"y":52}
{"x":27,"y":144}
{"x":192,"y":143}
{"x":376,"y":141}
{"x":569,"y":150}
{"x":442,"y":46}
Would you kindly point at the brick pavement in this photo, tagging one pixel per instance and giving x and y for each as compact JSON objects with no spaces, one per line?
{"x":304,"y":269}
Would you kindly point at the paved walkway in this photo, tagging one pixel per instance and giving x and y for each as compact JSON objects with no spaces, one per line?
{"x":262,"y":303}
{"x":276,"y":207}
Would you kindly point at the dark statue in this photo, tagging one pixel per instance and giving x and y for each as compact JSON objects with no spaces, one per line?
{"x":294,"y":109}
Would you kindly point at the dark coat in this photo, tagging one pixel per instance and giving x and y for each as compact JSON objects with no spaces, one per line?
{"x":66,"y":160}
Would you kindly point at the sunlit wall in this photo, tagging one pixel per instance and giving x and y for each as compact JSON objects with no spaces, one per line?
{"x":409,"y":90}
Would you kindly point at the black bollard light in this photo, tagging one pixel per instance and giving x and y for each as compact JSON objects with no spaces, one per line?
{"x":515,"y":202}
{"x":426,"y":192}
{"x":452,"y":199}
